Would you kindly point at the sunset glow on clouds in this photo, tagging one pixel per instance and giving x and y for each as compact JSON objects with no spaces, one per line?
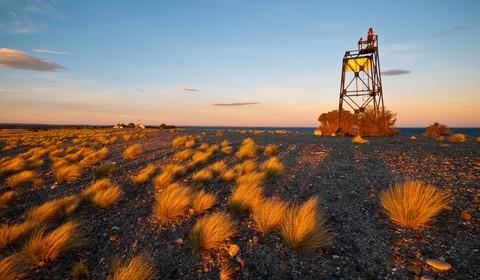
{"x":230,"y":63}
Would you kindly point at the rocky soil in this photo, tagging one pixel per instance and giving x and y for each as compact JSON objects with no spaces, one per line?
{"x":346,"y":177}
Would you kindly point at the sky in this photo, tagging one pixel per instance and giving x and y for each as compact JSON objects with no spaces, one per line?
{"x":232,"y":62}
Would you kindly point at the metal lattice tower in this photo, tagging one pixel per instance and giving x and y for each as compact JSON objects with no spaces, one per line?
{"x":361,"y":83}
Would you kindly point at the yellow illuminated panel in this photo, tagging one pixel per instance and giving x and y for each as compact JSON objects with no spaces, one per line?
{"x":358,"y":64}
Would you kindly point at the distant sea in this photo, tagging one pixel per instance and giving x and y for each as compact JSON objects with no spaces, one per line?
{"x":407,"y":131}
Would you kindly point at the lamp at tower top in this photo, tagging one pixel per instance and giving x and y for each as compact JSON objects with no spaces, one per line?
{"x":364,"y":46}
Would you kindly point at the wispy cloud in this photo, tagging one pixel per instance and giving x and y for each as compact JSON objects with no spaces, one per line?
{"x":15,"y":59}
{"x":49,"y":51}
{"x":395,"y":72}
{"x":451,"y":30}
{"x":189,"y":89}
{"x":234,"y":103}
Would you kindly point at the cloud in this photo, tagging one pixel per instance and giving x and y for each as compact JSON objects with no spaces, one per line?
{"x":15,"y":59}
{"x":395,"y":72}
{"x":451,"y":30}
{"x":234,"y":103}
{"x":49,"y":51}
{"x":189,"y":89}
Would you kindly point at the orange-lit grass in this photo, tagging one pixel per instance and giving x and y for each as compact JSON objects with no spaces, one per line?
{"x":217,"y":168}
{"x":247,"y":151}
{"x":247,"y":194}
{"x":202,"y":201}
{"x":79,"y":270}
{"x":201,"y":176}
{"x":270,"y":150}
{"x":210,"y":231}
{"x":67,"y":173}
{"x":228,"y":175}
{"x":182,"y":155}
{"x":11,"y":234}
{"x":246,"y":167}
{"x":162,"y":180}
{"x":103,"y":169}
{"x":359,"y":140}
{"x":271,"y":167}
{"x":172,"y":202}
{"x":412,"y":203}
{"x":105,"y":197}
{"x":7,"y":198}
{"x":478,"y":139}
{"x":227,"y":271}
{"x":175,"y":170}
{"x":93,"y":158}
{"x":458,"y":138}
{"x":138,"y":268}
{"x":10,"y":166}
{"x":12,"y":267}
{"x":88,"y":193}
{"x":53,"y":209}
{"x":20,"y":178}
{"x":269,"y":214}
{"x":143,"y":175}
{"x":43,"y":247}
{"x":303,"y":226}
{"x":132,"y":151}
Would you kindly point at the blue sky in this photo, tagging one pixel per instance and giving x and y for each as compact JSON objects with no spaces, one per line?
{"x":270,"y":63}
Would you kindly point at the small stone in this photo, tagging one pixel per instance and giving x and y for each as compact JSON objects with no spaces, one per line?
{"x":283,"y":267}
{"x":426,"y":277}
{"x":438,"y":264}
{"x":461,"y":175}
{"x":233,"y":250}
{"x":414,"y":269}
{"x":179,"y":241}
{"x":113,"y":238}
{"x":475,"y":200}
{"x":448,"y":208}
{"x":335,"y":256}
{"x":396,"y":241}
{"x":466,"y":216}
{"x":313,"y":267}
{"x":414,"y":261}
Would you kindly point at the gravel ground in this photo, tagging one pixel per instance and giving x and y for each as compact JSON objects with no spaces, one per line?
{"x":347,"y":179}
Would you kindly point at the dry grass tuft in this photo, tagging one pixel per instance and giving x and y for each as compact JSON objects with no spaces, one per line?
{"x":53,"y":209}
{"x":43,"y":247}
{"x":11,"y":267}
{"x":412,"y":203}
{"x":103,"y":170}
{"x":247,"y":150}
{"x":228,"y":175}
{"x":67,"y":173}
{"x":11,"y":234}
{"x":79,"y":270}
{"x":247,"y":194}
{"x":227,"y":272}
{"x":458,"y":138}
{"x":210,"y":231}
{"x":7,"y":198}
{"x":269,"y":214}
{"x":10,"y":166}
{"x":246,"y":167}
{"x":132,"y":151}
{"x":162,"y":180}
{"x":172,"y":202}
{"x":227,"y":150}
{"x":138,"y":268}
{"x":105,"y":197}
{"x":304,"y":226}
{"x":217,"y":168}
{"x":271,"y":167}
{"x":20,"y":178}
{"x":478,"y":139}
{"x":143,"y":175}
{"x":182,"y":155}
{"x":93,"y":158}
{"x":359,"y":140}
{"x":174,"y":170}
{"x":201,"y":176}
{"x":270,"y":150}
{"x":203,"y":201}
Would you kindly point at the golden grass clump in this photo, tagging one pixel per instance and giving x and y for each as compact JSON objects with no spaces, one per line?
{"x":359,"y":140}
{"x":103,"y":170}
{"x":210,"y":231}
{"x":143,"y":175}
{"x":7,"y":198}
{"x":226,"y":150}
{"x":182,"y":141}
{"x":132,"y":151}
{"x":269,"y":214}
{"x":246,"y":167}
{"x":202,"y":201}
{"x":138,"y":268}
{"x":478,"y":139}
{"x":175,"y":170}
{"x":182,"y":155}
{"x":228,"y":175}
{"x":203,"y":147}
{"x":93,"y":158}
{"x":105,"y":197}
{"x":217,"y":168}
{"x":248,"y":149}
{"x":458,"y":138}
{"x":67,"y":173}
{"x":199,"y":158}
{"x":79,"y":270}
{"x":11,"y":234}
{"x":11,"y":267}
{"x":127,"y":137}
{"x":172,"y":202}
{"x":271,"y":167}
{"x":201,"y":176}
{"x":270,"y":150}
{"x":247,"y":194}
{"x":162,"y":180}
{"x":20,"y":178}
{"x":43,"y":247}
{"x":303,"y":226}
{"x":227,"y":271}
{"x":10,"y":166}
{"x":53,"y":209}
{"x":412,"y":203}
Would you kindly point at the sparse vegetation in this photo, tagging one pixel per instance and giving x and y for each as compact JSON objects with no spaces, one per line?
{"x":200,"y":177}
{"x":270,"y":150}
{"x":359,"y":140}
{"x":7,"y":198}
{"x":271,"y":167}
{"x":458,"y":138}
{"x":269,"y":214}
{"x":304,"y":226}
{"x":436,"y":130}
{"x":103,"y":170}
{"x":79,"y":270}
{"x":412,"y":203}
{"x":247,"y":194}
{"x":67,"y":173}
{"x":248,"y":149}
{"x":11,"y":267}
{"x":103,"y":198}
{"x":132,"y":152}
{"x":143,"y":175}
{"x":20,"y":178}
{"x":202,"y":201}
{"x":11,"y":234}
{"x":138,"y":268}
{"x":211,"y":230}
{"x":182,"y":155}
{"x":172,"y":202}
{"x":53,"y":209}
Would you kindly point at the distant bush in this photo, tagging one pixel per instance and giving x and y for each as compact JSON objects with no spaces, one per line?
{"x":436,"y":130}
{"x":458,"y":137}
{"x":359,"y":140}
{"x":412,"y":204}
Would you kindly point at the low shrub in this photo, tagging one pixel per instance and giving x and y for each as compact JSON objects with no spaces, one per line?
{"x":172,"y":202}
{"x":458,"y":137}
{"x":412,"y":203}
{"x":437,"y":129}
{"x":210,"y":231}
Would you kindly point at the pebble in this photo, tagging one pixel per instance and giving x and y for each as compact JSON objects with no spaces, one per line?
{"x":396,"y":241}
{"x":233,"y":250}
{"x":448,"y":208}
{"x":438,"y":264}
{"x":283,"y":267}
{"x":475,"y":200}
{"x":414,"y":269}
{"x":179,"y":241}
{"x":466,"y":216}
{"x":313,"y":267}
{"x":113,"y":238}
